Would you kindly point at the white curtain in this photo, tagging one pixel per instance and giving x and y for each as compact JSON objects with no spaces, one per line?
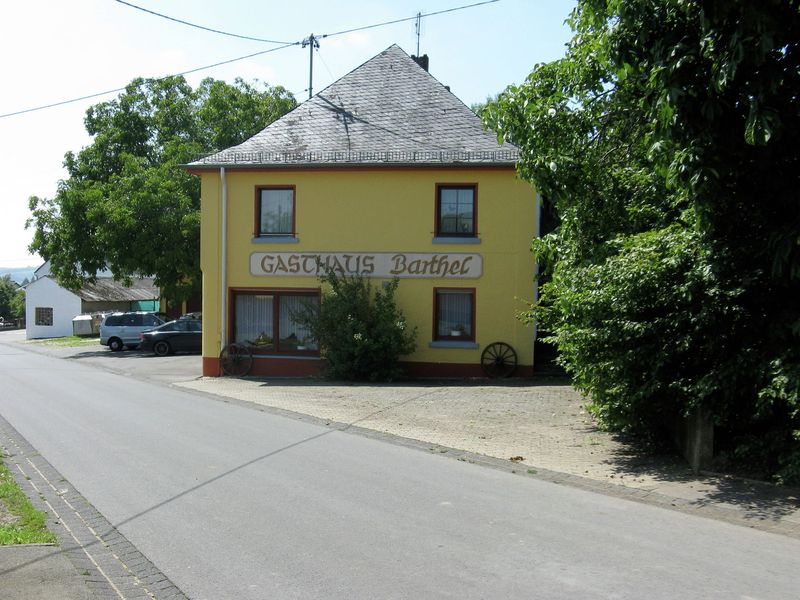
{"x":253,"y":318}
{"x":455,"y":313}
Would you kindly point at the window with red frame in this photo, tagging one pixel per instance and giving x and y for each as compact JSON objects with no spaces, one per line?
{"x":456,"y":211}
{"x":264,"y":321}
{"x":275,"y":211}
{"x":454,"y":315}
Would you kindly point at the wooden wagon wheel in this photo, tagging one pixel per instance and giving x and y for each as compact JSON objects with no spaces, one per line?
{"x":498,"y":360}
{"x":235,"y":359}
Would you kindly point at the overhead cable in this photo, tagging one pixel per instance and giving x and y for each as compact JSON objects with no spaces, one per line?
{"x":241,"y":37}
{"x":122,"y":89}
{"x":438,"y":12}
{"x":232,"y":60}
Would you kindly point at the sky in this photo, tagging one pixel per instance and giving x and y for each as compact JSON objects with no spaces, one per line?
{"x":52,"y":51}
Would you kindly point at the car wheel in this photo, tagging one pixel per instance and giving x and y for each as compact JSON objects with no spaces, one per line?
{"x":115,"y":344}
{"x":161,"y":349}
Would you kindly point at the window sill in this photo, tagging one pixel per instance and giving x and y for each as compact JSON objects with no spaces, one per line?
{"x":463,"y":345}
{"x":276,"y":239}
{"x":456,"y":240}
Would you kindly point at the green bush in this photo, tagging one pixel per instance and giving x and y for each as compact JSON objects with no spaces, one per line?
{"x":361,"y":332}
{"x":665,"y":143}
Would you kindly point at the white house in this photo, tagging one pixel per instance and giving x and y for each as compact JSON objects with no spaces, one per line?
{"x":50,"y":308}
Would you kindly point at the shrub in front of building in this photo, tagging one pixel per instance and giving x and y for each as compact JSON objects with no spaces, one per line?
{"x":360,"y":330}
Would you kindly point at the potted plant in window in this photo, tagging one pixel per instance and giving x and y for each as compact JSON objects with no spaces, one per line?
{"x":458,"y":331}
{"x":263,"y":339}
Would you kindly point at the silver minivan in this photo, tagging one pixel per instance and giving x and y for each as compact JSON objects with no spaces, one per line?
{"x":122,"y":329}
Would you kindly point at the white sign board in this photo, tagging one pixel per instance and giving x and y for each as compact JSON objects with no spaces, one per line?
{"x":440,"y":265}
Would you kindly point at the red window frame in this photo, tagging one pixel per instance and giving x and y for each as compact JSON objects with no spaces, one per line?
{"x":452,"y":338}
{"x":438,"y":224}
{"x":276,"y":293}
{"x":257,"y":226}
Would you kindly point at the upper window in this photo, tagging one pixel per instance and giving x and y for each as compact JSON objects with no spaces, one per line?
{"x":275,"y":211}
{"x":454,"y":314}
{"x":44,"y":316}
{"x":456,"y":210}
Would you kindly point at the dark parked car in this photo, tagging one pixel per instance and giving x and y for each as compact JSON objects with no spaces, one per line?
{"x":183,"y":335}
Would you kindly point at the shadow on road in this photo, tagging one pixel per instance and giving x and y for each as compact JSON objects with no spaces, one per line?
{"x":122,"y":355}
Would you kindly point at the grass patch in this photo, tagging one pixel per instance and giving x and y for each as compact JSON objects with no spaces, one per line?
{"x":20,"y":522}
{"x":70,"y":340}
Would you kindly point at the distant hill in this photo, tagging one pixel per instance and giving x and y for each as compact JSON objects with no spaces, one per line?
{"x":18,"y":274}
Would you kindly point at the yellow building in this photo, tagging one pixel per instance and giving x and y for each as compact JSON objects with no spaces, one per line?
{"x":383,"y":173}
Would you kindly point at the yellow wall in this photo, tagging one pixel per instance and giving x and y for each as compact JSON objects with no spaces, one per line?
{"x":383,"y":210}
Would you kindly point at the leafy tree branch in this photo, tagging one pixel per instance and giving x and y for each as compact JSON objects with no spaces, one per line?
{"x":128,"y":205}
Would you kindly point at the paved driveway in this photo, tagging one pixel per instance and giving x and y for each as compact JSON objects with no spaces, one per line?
{"x":133,"y":363}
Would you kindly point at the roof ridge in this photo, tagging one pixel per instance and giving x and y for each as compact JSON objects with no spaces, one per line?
{"x":388,"y":110}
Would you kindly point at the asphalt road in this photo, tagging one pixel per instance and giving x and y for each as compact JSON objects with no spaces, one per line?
{"x":232,"y":502}
{"x":132,"y":363}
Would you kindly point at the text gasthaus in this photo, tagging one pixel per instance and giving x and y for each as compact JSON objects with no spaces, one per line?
{"x":449,"y":265}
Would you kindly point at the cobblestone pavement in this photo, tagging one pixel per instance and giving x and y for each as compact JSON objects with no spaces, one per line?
{"x":540,"y":428}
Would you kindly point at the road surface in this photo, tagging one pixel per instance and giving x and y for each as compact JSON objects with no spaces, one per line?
{"x":233,"y":502}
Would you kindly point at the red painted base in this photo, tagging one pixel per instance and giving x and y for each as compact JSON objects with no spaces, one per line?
{"x":211,"y":366}
{"x":426,"y":370}
{"x":288,"y":367}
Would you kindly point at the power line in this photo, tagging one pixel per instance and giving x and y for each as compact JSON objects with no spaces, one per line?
{"x":314,"y":40}
{"x":324,"y":64}
{"x":121,"y":89}
{"x":232,"y":60}
{"x":417,"y":16}
{"x":242,"y":37}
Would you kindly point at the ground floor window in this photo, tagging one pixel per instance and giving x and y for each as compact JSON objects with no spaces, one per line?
{"x":265,"y":321}
{"x":454,"y":314}
{"x":44,"y":316}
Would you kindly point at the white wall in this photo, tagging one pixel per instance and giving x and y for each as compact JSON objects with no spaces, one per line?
{"x":46,"y":293}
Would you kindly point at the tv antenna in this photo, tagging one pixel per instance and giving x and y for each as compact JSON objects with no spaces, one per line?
{"x":312,"y":42}
{"x":418,"y":28}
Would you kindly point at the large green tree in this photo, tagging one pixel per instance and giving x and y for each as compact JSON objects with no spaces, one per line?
{"x":127,"y":204}
{"x":665,"y":140}
{"x":12,"y":299}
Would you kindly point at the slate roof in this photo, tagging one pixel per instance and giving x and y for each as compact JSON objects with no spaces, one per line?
{"x":105,"y":289}
{"x":387,"y":111}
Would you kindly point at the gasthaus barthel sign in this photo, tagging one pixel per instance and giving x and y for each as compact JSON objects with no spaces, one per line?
{"x":444,"y":265}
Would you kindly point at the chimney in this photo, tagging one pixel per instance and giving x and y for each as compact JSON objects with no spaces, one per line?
{"x":422,"y":61}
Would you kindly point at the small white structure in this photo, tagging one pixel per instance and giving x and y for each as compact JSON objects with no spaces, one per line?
{"x":50,"y":308}
{"x":84,"y":325}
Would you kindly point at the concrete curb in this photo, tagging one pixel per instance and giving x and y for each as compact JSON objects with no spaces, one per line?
{"x":92,"y":560}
